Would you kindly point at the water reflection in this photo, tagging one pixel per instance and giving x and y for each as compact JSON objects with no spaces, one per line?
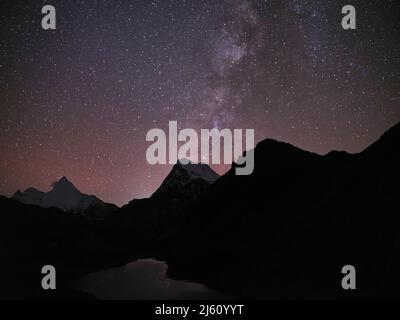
{"x":143,"y":280}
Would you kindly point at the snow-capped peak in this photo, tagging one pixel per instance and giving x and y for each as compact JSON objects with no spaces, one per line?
{"x":64,"y":195}
{"x":184,"y":175}
{"x":64,"y":185}
{"x":198,"y":170}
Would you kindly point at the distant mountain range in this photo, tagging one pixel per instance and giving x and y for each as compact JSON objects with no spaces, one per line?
{"x":285,"y":231}
{"x":65,"y":196}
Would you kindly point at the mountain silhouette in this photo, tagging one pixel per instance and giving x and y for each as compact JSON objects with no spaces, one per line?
{"x":284,"y":232}
{"x":287,"y":230}
{"x":147,"y":220}
{"x":65,"y":196}
{"x":184,"y":180}
{"x":32,"y":237}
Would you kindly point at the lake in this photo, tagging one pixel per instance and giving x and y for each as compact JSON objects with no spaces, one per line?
{"x":143,"y":280}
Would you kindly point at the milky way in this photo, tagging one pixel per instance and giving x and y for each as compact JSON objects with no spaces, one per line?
{"x":79,"y":100}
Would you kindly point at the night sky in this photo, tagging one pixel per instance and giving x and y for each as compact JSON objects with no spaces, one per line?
{"x":78,"y":101}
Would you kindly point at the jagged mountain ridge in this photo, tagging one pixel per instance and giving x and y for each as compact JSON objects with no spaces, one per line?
{"x":287,"y":230}
{"x":187,"y":179}
{"x":283,"y":232}
{"x":144,"y":220}
{"x":65,"y":196}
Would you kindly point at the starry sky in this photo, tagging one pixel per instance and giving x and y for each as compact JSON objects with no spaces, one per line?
{"x":79,"y":100}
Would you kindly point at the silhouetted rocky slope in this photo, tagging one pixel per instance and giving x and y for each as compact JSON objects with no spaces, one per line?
{"x":287,"y":230}
{"x":32,"y":236}
{"x":142,"y":223}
